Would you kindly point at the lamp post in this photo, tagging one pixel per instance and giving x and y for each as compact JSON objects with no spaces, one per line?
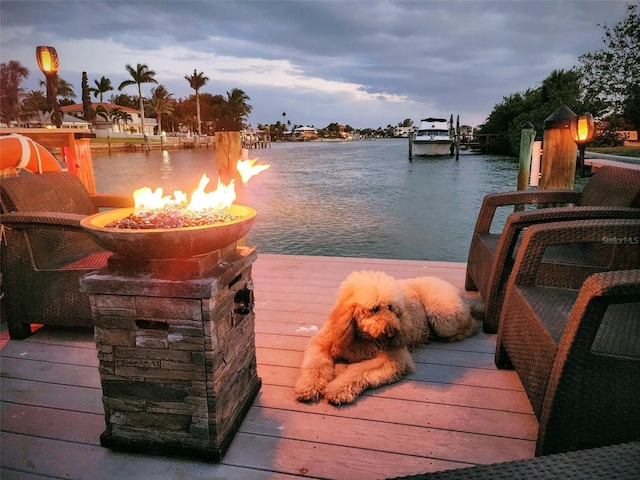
{"x":582,"y":130}
{"x":48,"y":62}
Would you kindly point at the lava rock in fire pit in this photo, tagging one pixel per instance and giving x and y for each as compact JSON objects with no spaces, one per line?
{"x":172,"y":216}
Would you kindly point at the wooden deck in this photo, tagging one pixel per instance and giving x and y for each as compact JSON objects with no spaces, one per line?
{"x":456,"y":410}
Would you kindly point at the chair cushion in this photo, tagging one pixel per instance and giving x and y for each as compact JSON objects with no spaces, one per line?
{"x":619,"y":332}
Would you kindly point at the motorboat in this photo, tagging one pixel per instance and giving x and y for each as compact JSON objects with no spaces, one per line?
{"x":434,"y":137}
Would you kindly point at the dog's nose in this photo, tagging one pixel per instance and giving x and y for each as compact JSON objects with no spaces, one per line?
{"x":390,"y":331}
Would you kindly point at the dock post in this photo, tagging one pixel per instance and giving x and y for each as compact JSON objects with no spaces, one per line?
{"x":411,"y":146}
{"x":228,"y":151}
{"x":560,"y":151}
{"x":527,"y":137}
{"x":457,"y":137}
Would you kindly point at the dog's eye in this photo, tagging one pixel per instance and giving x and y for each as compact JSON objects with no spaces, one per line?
{"x":390,"y":307}
{"x":376,"y":309}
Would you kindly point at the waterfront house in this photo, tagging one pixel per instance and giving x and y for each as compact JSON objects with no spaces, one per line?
{"x":129,"y":121}
{"x":305,"y":133}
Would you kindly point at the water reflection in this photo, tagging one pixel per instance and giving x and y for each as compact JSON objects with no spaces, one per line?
{"x":362,"y":199}
{"x":167,"y":168}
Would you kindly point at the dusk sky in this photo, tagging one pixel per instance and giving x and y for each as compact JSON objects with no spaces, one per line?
{"x":361,"y":63}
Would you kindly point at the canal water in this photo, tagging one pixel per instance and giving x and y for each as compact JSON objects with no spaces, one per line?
{"x":352,"y":199}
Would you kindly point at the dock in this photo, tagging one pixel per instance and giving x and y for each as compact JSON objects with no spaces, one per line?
{"x":481,"y":143}
{"x":252,"y":139}
{"x":456,"y":410}
{"x":626,"y":162}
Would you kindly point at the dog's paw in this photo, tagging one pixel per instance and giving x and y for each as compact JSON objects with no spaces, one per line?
{"x":310,"y":395}
{"x":308,"y":392}
{"x":337,"y":393}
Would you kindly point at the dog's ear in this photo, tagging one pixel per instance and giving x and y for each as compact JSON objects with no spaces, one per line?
{"x":341,"y":322}
{"x":401,"y":338}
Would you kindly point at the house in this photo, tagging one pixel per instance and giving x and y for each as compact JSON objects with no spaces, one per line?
{"x":342,"y":132}
{"x":41,"y":119}
{"x":404,"y":131}
{"x":125,"y":119}
{"x":305,"y":133}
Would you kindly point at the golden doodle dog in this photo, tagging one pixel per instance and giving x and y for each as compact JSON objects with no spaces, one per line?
{"x":374,"y":323}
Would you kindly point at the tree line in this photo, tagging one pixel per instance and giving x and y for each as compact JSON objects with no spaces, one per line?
{"x":606,"y":84}
{"x":201,"y":112}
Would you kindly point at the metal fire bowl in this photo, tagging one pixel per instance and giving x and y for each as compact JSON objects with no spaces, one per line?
{"x":166,"y":243}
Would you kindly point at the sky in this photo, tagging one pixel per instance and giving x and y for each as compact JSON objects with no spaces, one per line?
{"x":366,"y":64}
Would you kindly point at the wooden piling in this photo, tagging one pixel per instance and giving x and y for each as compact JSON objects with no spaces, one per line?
{"x":411,"y":135}
{"x":458,"y":137}
{"x":560,"y":151}
{"x":527,"y":137}
{"x":228,"y":151}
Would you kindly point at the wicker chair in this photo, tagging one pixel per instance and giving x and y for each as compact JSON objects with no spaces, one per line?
{"x":612,"y":192}
{"x":44,"y":251}
{"x":577,"y":352}
{"x":619,"y":462}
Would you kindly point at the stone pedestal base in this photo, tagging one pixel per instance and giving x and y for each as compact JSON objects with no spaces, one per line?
{"x":177,"y":358}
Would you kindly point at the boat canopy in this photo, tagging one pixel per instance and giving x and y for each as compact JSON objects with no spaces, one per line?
{"x":430,"y":119}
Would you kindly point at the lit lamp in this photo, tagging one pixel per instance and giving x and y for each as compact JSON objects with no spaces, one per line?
{"x":48,"y":62}
{"x":582,"y":130}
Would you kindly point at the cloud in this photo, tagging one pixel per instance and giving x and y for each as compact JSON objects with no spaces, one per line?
{"x":367,"y":63}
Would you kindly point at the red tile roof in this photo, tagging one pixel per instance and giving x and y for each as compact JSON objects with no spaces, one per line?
{"x":108,"y":106}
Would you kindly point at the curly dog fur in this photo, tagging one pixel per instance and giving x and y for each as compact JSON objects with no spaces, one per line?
{"x":374,"y":323}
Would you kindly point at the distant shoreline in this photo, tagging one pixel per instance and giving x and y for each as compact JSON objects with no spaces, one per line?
{"x":137,"y":144}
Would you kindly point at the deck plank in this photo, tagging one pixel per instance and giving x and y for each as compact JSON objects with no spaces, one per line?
{"x":456,"y":410}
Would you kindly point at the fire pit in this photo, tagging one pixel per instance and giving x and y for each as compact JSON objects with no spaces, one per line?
{"x":165,"y":243}
{"x":174,"y":328}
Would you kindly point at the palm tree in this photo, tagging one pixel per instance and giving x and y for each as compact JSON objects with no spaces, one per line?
{"x":141,"y":74}
{"x":63,"y":89}
{"x":161,"y":103}
{"x":34,"y":103}
{"x":237,"y":104}
{"x":103,"y":112}
{"x":124,"y":100}
{"x":12,"y":74}
{"x":102,"y":86}
{"x":197,"y":81}
{"x":115,"y":115}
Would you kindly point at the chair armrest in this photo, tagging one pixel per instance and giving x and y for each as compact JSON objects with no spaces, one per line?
{"x":522,"y":197}
{"x":598,"y":292}
{"x":617,"y":283}
{"x":56,"y":220}
{"x":520,"y":220}
{"x":105,"y":200}
{"x":538,"y":237}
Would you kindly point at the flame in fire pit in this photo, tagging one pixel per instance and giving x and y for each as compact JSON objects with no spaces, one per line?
{"x":248,"y":169}
{"x":219,"y":199}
